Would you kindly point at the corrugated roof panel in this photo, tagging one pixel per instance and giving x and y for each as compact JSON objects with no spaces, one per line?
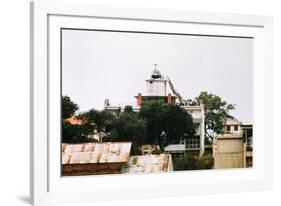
{"x":80,"y":158}
{"x":124,"y":156}
{"x":109,"y":152}
{"x":104,"y":157}
{"x":65,"y":158}
{"x":63,"y":146}
{"x":95,"y":157}
{"x":149,"y":163}
{"x":74,"y":148}
{"x":113,"y":158}
{"x":114,"y":148}
{"x":97,"y":148}
{"x":89,"y":147}
{"x":105,"y":148}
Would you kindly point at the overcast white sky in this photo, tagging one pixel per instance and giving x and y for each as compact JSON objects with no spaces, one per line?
{"x":98,"y":65}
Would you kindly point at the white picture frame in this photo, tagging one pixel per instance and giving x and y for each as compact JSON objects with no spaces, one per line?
{"x":47,"y":185}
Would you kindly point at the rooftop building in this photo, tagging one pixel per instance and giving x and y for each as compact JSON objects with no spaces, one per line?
{"x":233,"y":149}
{"x":157,"y":90}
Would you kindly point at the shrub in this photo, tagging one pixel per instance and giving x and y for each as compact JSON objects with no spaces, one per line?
{"x":190,"y":162}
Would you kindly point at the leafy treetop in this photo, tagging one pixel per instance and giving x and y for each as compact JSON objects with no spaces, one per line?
{"x":216,"y":112}
{"x":68,"y":107}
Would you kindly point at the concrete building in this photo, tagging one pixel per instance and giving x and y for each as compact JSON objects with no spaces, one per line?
{"x":233,"y":149}
{"x":195,"y":144}
{"x":157,"y":90}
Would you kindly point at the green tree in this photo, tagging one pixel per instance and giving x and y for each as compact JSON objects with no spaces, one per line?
{"x":68,"y":107}
{"x":70,"y":133}
{"x":128,"y":109}
{"x":101,"y":121}
{"x":152,"y":112}
{"x":166,"y":123}
{"x":177,"y":124}
{"x":128,"y":127}
{"x":74,"y":134}
{"x":216,"y":111}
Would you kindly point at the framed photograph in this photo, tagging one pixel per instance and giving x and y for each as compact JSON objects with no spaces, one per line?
{"x":142,"y":103}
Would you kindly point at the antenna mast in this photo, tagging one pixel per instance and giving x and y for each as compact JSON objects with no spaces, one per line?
{"x":182,"y":101}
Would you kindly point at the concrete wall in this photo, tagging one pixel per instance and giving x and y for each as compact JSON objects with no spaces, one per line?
{"x":156,"y":88}
{"x":228,"y":152}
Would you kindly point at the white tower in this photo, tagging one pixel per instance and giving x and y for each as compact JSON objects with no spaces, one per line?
{"x":156,"y":85}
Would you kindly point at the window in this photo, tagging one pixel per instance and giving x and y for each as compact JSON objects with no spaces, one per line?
{"x":228,"y":128}
{"x":235,"y":127}
{"x":193,"y":143}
